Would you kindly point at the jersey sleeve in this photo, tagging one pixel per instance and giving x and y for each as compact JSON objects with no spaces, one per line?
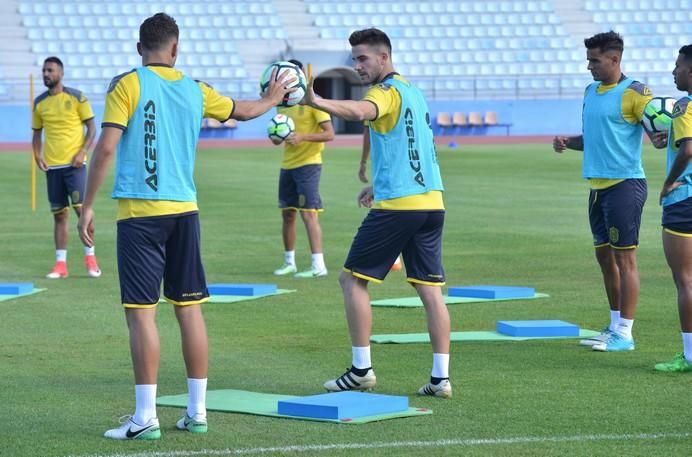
{"x":216,"y":106}
{"x":121,"y":100}
{"x":384,"y":98}
{"x":84,"y":109}
{"x":634,"y":100}
{"x":682,"y":122}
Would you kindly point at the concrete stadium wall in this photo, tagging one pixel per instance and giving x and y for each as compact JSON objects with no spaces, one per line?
{"x":528,"y":117}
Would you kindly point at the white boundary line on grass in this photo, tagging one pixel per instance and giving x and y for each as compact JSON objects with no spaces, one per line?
{"x":399,"y":444}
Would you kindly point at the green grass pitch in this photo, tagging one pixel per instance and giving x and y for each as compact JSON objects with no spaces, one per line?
{"x":516,"y":215}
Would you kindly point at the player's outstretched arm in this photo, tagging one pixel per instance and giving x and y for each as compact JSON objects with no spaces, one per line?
{"x":100,"y":164}
{"x":245,"y":110}
{"x":349,"y":110}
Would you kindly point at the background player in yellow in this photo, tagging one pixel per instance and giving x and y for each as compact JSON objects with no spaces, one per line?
{"x":407,"y":209}
{"x":676,"y":199}
{"x":612,"y":144}
{"x":152,"y":118}
{"x":63,"y":113}
{"x":299,"y":182}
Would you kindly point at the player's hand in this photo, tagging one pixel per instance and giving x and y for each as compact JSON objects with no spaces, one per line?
{"x":294,"y":139}
{"x":659,"y":139}
{"x":361,"y":172}
{"x":668,"y":188}
{"x":277,"y":90}
{"x":560,"y":143}
{"x":85,"y":226}
{"x":40,"y":163}
{"x":78,"y":159}
{"x":365,"y":197}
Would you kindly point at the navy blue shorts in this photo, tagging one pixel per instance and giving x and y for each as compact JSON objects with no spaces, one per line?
{"x":151,"y":249}
{"x":615,"y":213}
{"x":299,"y":188}
{"x":417,"y":235}
{"x":677,"y":217}
{"x":64,"y":183}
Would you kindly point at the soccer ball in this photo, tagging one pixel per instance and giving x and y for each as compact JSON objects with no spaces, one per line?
{"x":657,"y":114}
{"x":280,"y":127}
{"x":281,"y":67}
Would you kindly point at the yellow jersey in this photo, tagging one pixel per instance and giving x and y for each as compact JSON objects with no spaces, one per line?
{"x":634,"y":100}
{"x":307,"y":120}
{"x":682,"y":122}
{"x":121,"y":102}
{"x":62,"y":116}
{"x":387,"y":100}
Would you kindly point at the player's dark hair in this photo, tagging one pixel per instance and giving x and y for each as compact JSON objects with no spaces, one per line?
{"x":157,"y":31}
{"x":297,"y":63}
{"x":54,"y":60}
{"x":371,"y":37}
{"x":606,"y":41}
{"x":686,"y":51}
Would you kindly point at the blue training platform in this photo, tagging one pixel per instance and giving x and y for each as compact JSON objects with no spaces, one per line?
{"x":488,"y":291}
{"x":16,"y":288}
{"x":241,"y":289}
{"x":342,"y":405}
{"x":537,"y":328}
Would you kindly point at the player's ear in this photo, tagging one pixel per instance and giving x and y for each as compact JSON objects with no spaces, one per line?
{"x":174,"y":50}
{"x":139,"y":48}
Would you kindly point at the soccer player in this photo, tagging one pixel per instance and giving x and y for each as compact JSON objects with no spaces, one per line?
{"x":407,"y":211}
{"x":299,"y":184}
{"x":612,"y":144}
{"x":676,"y":198}
{"x":152,"y":119}
{"x":63,"y":112}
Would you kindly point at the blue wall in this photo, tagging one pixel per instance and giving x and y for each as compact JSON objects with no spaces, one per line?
{"x":528,"y":117}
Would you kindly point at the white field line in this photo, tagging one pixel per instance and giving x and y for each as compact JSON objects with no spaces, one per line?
{"x":314,"y":448}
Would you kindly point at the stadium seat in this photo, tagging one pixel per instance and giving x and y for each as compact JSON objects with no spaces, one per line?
{"x":475,"y":119}
{"x":459,"y":120}
{"x":443,"y":121}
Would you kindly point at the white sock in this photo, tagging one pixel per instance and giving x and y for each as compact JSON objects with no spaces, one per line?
{"x":625,"y":327}
{"x":145,"y":403}
{"x":290,"y":257}
{"x":197,"y":399}
{"x":89,"y":250}
{"x":61,"y":255}
{"x":687,"y":345}
{"x":318,"y":261}
{"x":440,"y":368}
{"x":361,"y":356}
{"x":614,"y":320}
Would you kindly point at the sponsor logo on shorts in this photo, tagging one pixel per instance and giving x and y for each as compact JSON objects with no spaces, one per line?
{"x":613,"y":234}
{"x":191,"y":294}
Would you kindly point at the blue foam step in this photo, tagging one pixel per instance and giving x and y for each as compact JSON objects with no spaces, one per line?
{"x":241,"y":289}
{"x":342,"y":405}
{"x":16,"y":288}
{"x":537,"y":328}
{"x":485,"y":291}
